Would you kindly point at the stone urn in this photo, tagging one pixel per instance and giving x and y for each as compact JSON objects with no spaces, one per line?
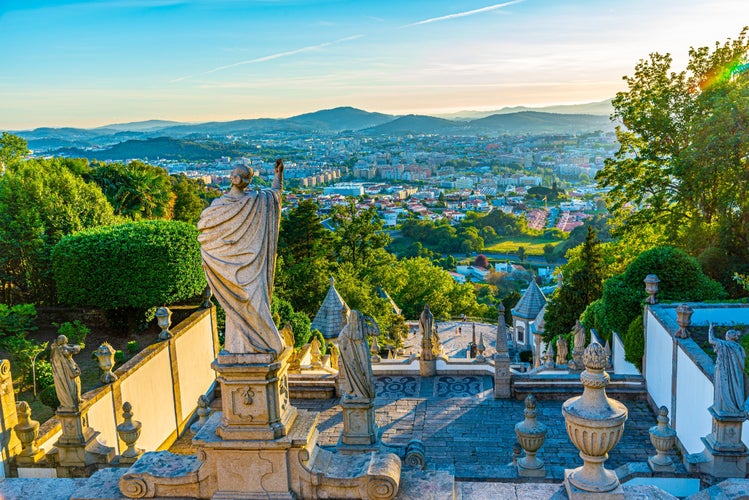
{"x":27,"y":431}
{"x":683,"y":319}
{"x":105,"y":356}
{"x":651,"y":287}
{"x":531,"y":435}
{"x":663,"y":437}
{"x":164,"y":320}
{"x":129,"y":432}
{"x":595,"y":423}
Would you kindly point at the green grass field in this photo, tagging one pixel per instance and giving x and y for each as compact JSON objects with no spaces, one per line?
{"x":534,"y":245}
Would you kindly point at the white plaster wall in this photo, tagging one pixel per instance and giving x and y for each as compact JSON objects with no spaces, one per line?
{"x":101,"y":417}
{"x":194,"y":356}
{"x":49,"y":443}
{"x":658,"y":362}
{"x":621,"y":365}
{"x":694,"y":394}
{"x":149,"y":389}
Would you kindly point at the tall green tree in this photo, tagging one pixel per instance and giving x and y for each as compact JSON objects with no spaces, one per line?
{"x":12,"y":149}
{"x":136,"y":190}
{"x":582,"y":284}
{"x":684,"y":150}
{"x":40,"y":202}
{"x":358,"y":235}
{"x":188,"y":203}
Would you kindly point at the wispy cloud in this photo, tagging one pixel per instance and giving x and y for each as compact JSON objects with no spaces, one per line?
{"x":463,"y":14}
{"x":270,"y":57}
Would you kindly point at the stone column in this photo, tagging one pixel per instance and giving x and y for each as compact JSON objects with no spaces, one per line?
{"x":502,"y":376}
{"x":537,"y":350}
{"x":595,"y":423}
{"x":427,"y":361}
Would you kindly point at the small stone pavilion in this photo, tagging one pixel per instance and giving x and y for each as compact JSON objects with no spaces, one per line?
{"x":526,"y":314}
{"x":329,"y":317}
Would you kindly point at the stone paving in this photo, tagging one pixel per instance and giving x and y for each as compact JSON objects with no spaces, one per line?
{"x":468,"y":432}
{"x":455,"y":336}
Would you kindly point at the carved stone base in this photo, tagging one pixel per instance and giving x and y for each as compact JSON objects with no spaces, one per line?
{"x":575,"y":493}
{"x":359,"y":427}
{"x":254,"y":396}
{"x":428,"y":368}
{"x":725,"y":454}
{"x":78,"y":446}
{"x":502,"y":377}
{"x":535,"y":468}
{"x":30,"y":459}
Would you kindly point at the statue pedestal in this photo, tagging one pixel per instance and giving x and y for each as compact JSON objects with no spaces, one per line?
{"x":359,"y":427}
{"x":502,"y":377}
{"x":725,"y":453}
{"x":427,"y":367}
{"x":78,"y":446}
{"x":254,"y":396}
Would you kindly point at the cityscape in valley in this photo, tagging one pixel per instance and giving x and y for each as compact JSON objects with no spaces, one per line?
{"x":430,"y":250}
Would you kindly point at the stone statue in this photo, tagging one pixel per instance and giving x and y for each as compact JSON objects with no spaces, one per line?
{"x":729,"y":379}
{"x":562,"y":350}
{"x":238,"y":238}
{"x":355,"y":359}
{"x":426,"y":327}
{"x":66,"y":373}
{"x":579,"y":337}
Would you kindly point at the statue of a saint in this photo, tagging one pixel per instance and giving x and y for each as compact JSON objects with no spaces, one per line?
{"x":562,"y":350}
{"x":66,"y":373}
{"x":579,"y":337}
{"x":729,"y":378}
{"x":238,"y":238}
{"x":355,"y":359}
{"x":426,"y":326}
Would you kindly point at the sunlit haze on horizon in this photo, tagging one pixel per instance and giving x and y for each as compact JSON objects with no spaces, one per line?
{"x":87,"y":63}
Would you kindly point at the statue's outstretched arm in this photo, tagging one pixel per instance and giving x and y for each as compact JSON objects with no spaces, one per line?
{"x":710,"y":334}
{"x":278,"y":176}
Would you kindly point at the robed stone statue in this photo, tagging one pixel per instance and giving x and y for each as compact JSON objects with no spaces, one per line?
{"x":66,"y":373}
{"x":426,"y":326}
{"x":355,"y":361}
{"x":729,"y":380}
{"x":239,"y":238}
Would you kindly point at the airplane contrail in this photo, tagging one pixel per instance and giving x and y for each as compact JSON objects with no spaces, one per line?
{"x":463,"y":14}
{"x":270,"y":57}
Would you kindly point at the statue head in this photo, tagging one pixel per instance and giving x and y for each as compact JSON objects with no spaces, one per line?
{"x":61,"y":340}
{"x":241,"y":176}
{"x":733,"y":335}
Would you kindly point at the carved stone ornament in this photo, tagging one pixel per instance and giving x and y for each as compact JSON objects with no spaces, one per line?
{"x":531,"y":435}
{"x":663,"y":437}
{"x":242,"y":399}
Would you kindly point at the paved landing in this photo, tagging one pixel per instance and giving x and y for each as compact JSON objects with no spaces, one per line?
{"x":468,"y":432}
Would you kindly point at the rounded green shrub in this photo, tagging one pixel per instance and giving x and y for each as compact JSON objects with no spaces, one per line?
{"x":634,"y":342}
{"x":133,"y":265}
{"x":48,"y":396}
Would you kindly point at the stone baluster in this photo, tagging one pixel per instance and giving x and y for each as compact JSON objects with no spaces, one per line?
{"x":105,"y":356}
{"x":164,"y":320}
{"x":480,"y":348}
{"x":203,"y":412}
{"x":595,"y":423}
{"x":27,"y":431}
{"x":129,"y":432}
{"x":663,"y":438}
{"x":531,"y":435}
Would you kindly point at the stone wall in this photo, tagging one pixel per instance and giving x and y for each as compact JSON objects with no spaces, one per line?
{"x":162,"y":382}
{"x":679,"y":373}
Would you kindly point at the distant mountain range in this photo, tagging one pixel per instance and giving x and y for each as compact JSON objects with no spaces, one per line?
{"x":167,"y":139}
{"x":603,"y":108}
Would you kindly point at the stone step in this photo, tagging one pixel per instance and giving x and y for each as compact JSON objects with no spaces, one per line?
{"x":418,"y":484}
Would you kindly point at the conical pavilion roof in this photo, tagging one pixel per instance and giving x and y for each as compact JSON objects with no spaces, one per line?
{"x":530,"y":303}
{"x":328,"y":318}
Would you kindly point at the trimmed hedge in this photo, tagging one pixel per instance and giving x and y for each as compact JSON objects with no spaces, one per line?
{"x":138,"y":265}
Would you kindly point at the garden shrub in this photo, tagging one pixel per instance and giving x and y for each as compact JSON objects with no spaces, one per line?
{"x":134,"y":265}
{"x":634,"y":342}
{"x":48,"y":396}
{"x":76,"y":332}
{"x":17,"y":319}
{"x":133,"y":347}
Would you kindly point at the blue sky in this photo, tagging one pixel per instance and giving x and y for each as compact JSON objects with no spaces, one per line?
{"x":88,"y":63}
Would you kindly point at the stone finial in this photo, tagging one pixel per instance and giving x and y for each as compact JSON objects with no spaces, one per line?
{"x":683,"y":319}
{"x":375,"y":350}
{"x":663,"y":438}
{"x":206,"y":296}
{"x":531,"y":435}
{"x":480,"y":349}
{"x":27,"y":431}
{"x":517,"y":452}
{"x":287,"y":334}
{"x":164,"y":320}
{"x":549,"y":357}
{"x":203,"y":412}
{"x":105,"y":356}
{"x":595,"y":423}
{"x":651,"y":286}
{"x":129,"y":432}
{"x":334,"y":355}
{"x":537,"y":350}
